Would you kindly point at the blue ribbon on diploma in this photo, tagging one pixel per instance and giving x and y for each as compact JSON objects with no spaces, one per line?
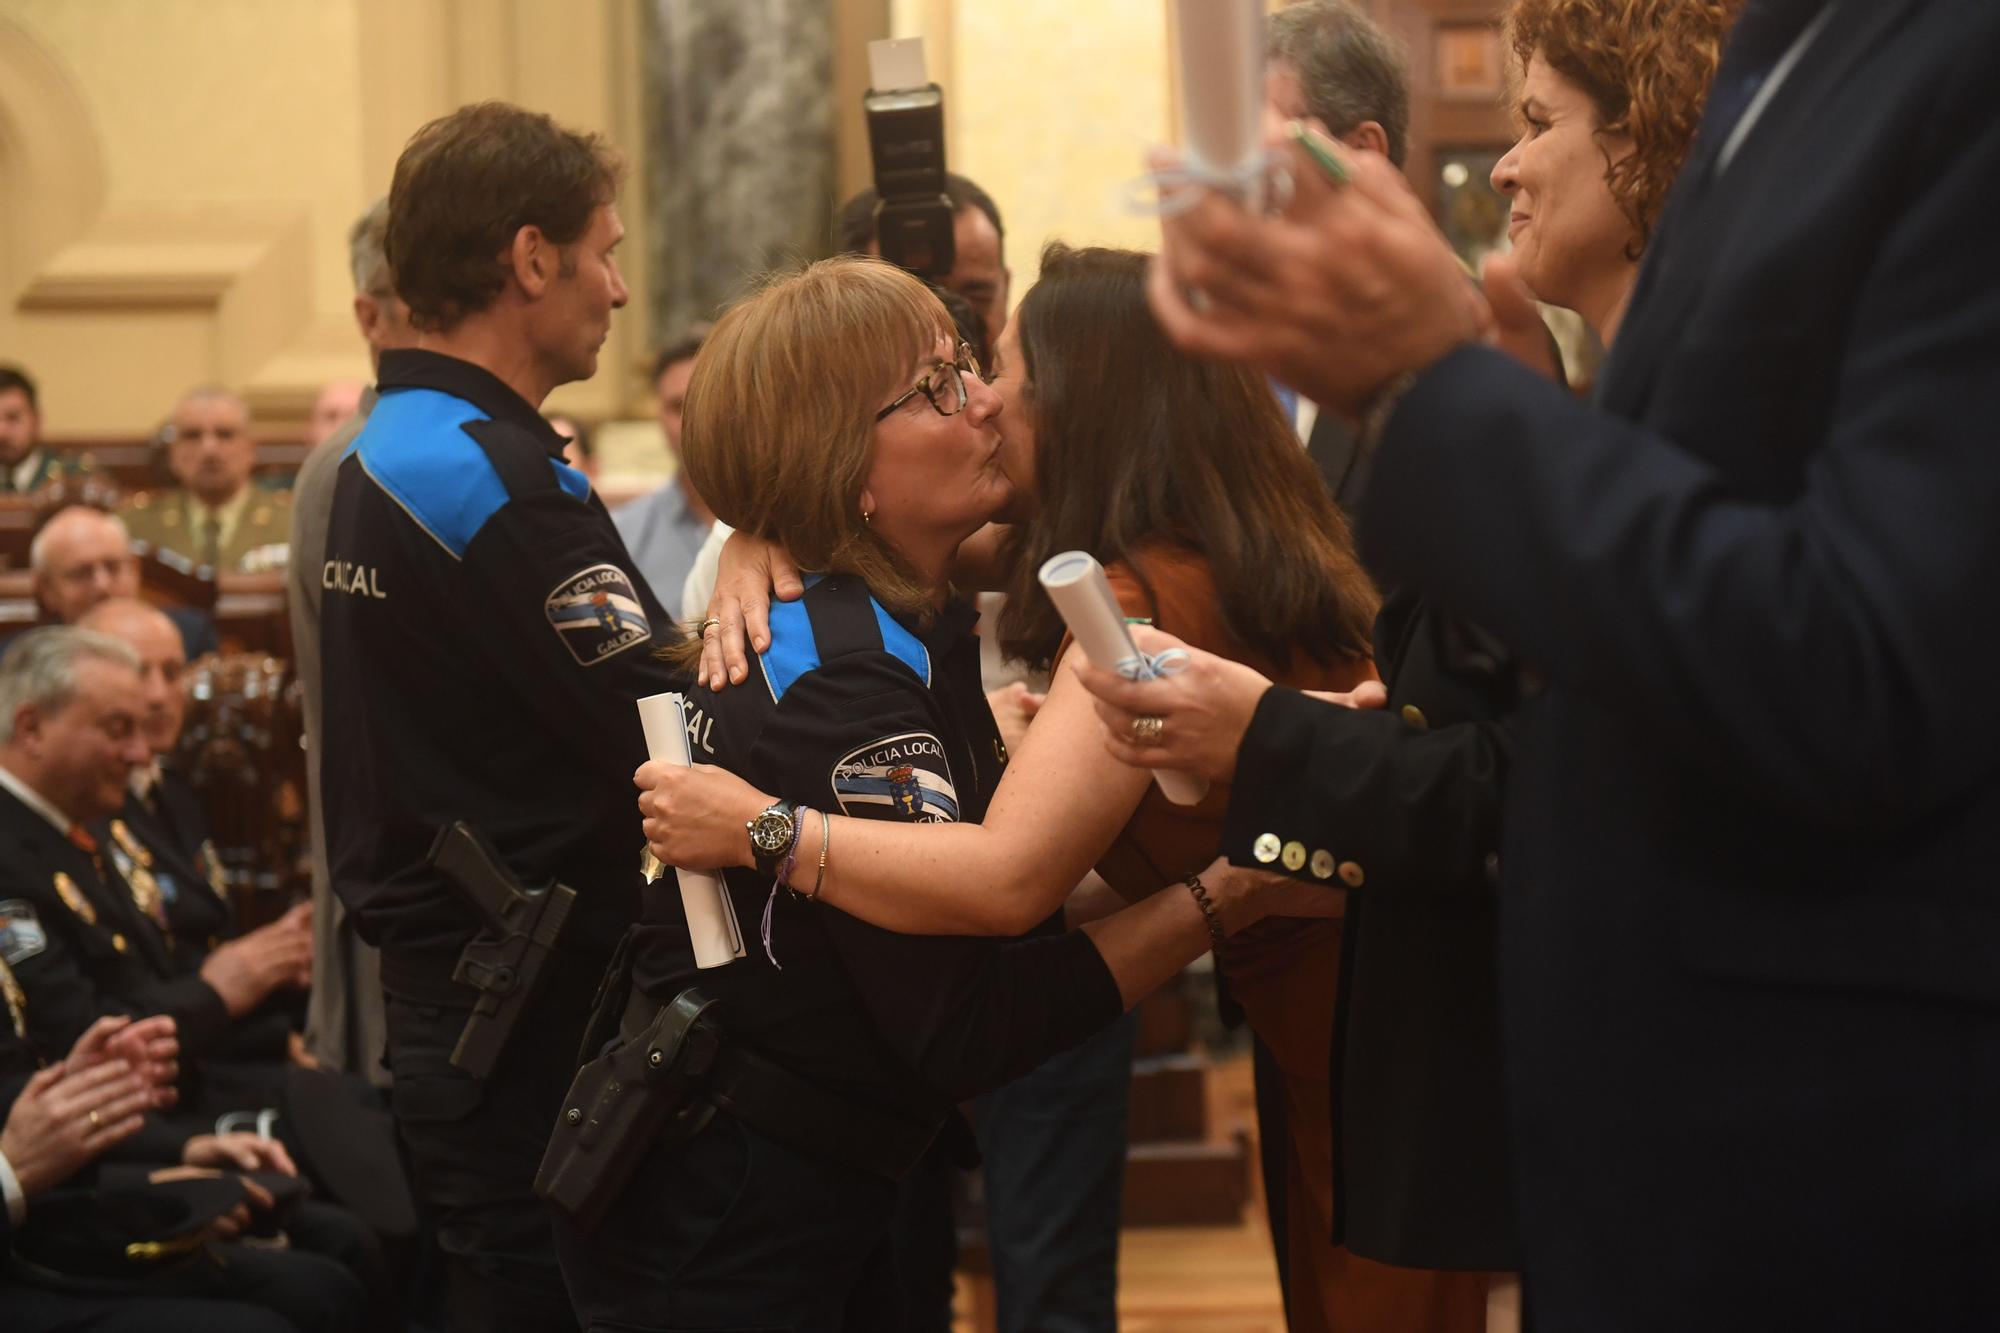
{"x":1154,"y":666}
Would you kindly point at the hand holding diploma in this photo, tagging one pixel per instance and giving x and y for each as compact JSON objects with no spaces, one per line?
{"x":1204,"y":709}
{"x":712,"y":924}
{"x":1076,"y":584}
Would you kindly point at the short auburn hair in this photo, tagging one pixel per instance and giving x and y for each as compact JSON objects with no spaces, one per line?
{"x":1646,"y":66}
{"x":466,"y":184}
{"x":780,"y":422}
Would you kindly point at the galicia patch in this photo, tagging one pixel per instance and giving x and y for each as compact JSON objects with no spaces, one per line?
{"x":596,"y":614}
{"x":907,"y":775}
{"x":21,"y":933}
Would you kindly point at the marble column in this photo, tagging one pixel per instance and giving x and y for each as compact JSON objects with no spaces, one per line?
{"x":740,"y":147}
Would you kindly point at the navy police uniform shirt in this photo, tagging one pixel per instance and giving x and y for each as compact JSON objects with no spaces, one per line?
{"x":483,"y":638}
{"x":854,"y":711}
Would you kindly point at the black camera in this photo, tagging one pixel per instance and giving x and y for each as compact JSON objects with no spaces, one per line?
{"x":906,"y":145}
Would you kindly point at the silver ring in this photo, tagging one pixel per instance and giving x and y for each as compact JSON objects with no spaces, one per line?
{"x":715,"y":621}
{"x":1147,"y":730}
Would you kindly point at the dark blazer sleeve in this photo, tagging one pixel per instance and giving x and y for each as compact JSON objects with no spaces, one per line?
{"x":1826,"y":651}
{"x":1407,"y":809}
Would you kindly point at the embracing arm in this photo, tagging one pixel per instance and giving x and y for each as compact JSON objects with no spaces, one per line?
{"x":1061,"y":803}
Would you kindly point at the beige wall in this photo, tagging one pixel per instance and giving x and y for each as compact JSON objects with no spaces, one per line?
{"x":177,"y":178}
{"x":1050,"y":105}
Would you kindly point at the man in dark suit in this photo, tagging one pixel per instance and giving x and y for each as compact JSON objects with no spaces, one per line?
{"x":70,"y":739}
{"x":1751,"y":984}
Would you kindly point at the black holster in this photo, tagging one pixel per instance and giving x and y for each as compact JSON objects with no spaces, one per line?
{"x":642,"y":1092}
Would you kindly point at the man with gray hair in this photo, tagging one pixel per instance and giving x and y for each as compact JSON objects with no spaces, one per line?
{"x":344,"y":1012}
{"x":1328,"y":61}
{"x":70,"y":741}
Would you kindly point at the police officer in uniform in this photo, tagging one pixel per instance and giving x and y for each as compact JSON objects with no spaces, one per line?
{"x":759,"y":1188}
{"x":484,"y":637}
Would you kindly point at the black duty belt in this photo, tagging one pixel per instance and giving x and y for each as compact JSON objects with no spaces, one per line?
{"x":796,"y":1112}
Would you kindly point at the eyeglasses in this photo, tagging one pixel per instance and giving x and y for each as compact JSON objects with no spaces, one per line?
{"x":943,"y":385}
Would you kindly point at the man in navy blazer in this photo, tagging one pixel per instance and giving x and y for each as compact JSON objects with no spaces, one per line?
{"x":1751,"y":916}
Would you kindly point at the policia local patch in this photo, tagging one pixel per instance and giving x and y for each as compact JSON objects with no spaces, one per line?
{"x":596,"y":614}
{"x":907,"y":774}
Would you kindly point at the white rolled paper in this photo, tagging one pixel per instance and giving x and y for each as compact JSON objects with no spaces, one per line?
{"x":1219,"y":46}
{"x":1076,"y":584}
{"x":711,"y":919}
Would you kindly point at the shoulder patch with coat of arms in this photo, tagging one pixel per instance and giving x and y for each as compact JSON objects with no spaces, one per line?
{"x":906,"y":773}
{"x":597,"y":614}
{"x":21,"y":933}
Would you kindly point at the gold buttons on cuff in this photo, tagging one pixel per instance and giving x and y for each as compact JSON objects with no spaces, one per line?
{"x":1295,"y":856}
{"x":1265,"y":849}
{"x":1352,"y":875}
{"x":1322,"y":864}
{"x":1415,"y":717}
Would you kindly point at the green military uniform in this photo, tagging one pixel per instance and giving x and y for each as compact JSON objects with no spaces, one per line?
{"x":40,"y":466}
{"x":256,"y":535}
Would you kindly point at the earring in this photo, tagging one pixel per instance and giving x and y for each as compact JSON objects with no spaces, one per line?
{"x":867,"y":516}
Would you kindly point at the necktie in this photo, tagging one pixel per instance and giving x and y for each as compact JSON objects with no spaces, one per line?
{"x":211,"y":541}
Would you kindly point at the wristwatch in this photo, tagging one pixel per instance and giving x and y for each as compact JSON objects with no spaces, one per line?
{"x":772,"y":833}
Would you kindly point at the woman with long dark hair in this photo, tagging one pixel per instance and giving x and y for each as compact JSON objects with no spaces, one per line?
{"x":1190,"y":486}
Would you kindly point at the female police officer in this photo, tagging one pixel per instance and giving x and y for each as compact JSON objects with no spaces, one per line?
{"x":833,"y":412}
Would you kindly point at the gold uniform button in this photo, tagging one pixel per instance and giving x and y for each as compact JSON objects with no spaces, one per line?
{"x":1415,"y":717}
{"x":118,"y":943}
{"x":1352,"y":875}
{"x":1295,"y":855}
{"x":1265,"y":849}
{"x":1322,"y":864}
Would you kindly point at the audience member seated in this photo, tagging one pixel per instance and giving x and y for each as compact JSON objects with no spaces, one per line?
{"x":25,"y":465}
{"x":70,"y":741}
{"x":161,"y":835}
{"x":83,"y":556}
{"x":217,"y":516}
{"x":337,"y":401}
{"x":63,"y":1122}
{"x":579,"y":453}
{"x":664,"y":530}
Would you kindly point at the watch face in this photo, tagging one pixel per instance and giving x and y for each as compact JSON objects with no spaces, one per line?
{"x":771,"y":831}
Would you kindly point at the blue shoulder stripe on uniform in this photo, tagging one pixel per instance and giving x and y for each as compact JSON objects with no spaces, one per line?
{"x":416,"y":449}
{"x":794,"y":650}
{"x":903,"y":644}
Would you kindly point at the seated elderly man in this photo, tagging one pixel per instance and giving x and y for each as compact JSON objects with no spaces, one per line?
{"x":217,"y":516}
{"x":71,"y":739}
{"x":161,"y":836}
{"x":81,"y":556}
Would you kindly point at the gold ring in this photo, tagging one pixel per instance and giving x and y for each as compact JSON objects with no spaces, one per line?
{"x":95,"y":1123}
{"x":714,"y":622}
{"x":1147,"y":730}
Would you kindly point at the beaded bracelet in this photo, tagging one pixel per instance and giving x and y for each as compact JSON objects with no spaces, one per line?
{"x":1200,"y":892}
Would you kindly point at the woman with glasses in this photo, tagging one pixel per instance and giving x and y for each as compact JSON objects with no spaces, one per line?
{"x":835,"y":409}
{"x":1187,"y":482}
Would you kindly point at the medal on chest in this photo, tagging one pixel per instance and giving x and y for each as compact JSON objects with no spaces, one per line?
{"x":135,"y":864}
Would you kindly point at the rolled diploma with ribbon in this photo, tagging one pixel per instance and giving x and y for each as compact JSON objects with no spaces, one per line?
{"x":711,"y":919}
{"x":1076,"y":584}
{"x":1219,"y":47}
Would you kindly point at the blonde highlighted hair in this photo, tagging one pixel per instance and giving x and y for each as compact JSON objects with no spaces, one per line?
{"x":779,"y":425}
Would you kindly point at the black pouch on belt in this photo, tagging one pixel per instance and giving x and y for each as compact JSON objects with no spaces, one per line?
{"x":643,"y":1091}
